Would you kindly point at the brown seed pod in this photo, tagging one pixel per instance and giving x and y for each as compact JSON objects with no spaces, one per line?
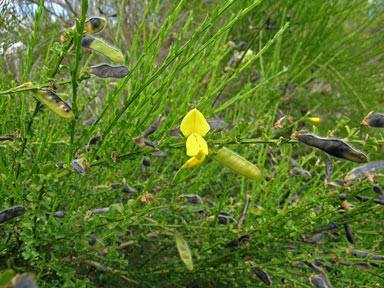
{"x":334,"y":147}
{"x":108,"y":71}
{"x":362,"y":171}
{"x":10,"y":213}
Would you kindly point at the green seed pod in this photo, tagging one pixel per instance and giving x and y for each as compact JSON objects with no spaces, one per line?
{"x":107,"y":71}
{"x":102,"y":47}
{"x":94,"y":25}
{"x":184,"y":251}
{"x":334,"y":147}
{"x":237,"y":163}
{"x":55,"y":103}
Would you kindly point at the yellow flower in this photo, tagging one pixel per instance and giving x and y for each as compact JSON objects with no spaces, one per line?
{"x":194,"y":126}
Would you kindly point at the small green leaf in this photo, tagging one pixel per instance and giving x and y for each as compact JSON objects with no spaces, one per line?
{"x":6,"y":277}
{"x":184,"y":251}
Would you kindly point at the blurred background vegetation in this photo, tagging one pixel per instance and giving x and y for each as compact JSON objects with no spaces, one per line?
{"x":248,"y":63}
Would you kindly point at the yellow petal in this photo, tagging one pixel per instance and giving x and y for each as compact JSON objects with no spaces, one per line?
{"x":194,"y":161}
{"x":196,"y":145}
{"x":194,"y":122}
{"x":314,"y":119}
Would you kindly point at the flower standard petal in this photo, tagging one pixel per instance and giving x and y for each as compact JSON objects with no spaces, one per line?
{"x":194,"y":161}
{"x":194,"y":122}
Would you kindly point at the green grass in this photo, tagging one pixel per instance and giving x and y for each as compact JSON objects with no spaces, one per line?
{"x":306,"y":58}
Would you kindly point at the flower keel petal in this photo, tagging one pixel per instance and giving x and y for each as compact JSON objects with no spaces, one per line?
{"x":194,"y":161}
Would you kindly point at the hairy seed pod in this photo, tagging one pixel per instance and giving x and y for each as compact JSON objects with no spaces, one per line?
{"x":108,"y":71}
{"x":263,"y":276}
{"x":362,"y":171}
{"x":10,"y":213}
{"x":376,"y":120}
{"x":237,"y":163}
{"x":55,"y":103}
{"x":226,"y":219}
{"x":102,"y":47}
{"x":94,"y":25}
{"x":334,"y":147}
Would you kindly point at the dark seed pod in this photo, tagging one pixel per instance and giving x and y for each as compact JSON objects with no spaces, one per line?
{"x":334,"y":147}
{"x":92,"y":241}
{"x":236,"y":242}
{"x":153,"y":127}
{"x":364,"y":254}
{"x":55,"y":103}
{"x":191,"y":198}
{"x":6,"y":137}
{"x":116,"y":186}
{"x":150,"y":143}
{"x":226,"y":219}
{"x":263,"y":276}
{"x":327,"y":267}
{"x":146,"y":162}
{"x":129,"y":189}
{"x":285,"y":196}
{"x":102,"y":47}
{"x":318,"y":282}
{"x":312,"y":238}
{"x":327,"y":227}
{"x":78,"y":166}
{"x":216,"y":125}
{"x":362,"y":266}
{"x":362,"y":171}
{"x":328,"y":168}
{"x":57,"y":214}
{"x":24,"y":280}
{"x":366,"y":198}
{"x":378,"y":190}
{"x":107,"y":71}
{"x":100,"y":211}
{"x":376,"y":120}
{"x":95,"y":140}
{"x":349,"y":233}
{"x":300,"y":172}
{"x":10,"y":213}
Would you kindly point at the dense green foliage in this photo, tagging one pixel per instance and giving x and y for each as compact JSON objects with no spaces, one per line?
{"x":263,"y":67}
